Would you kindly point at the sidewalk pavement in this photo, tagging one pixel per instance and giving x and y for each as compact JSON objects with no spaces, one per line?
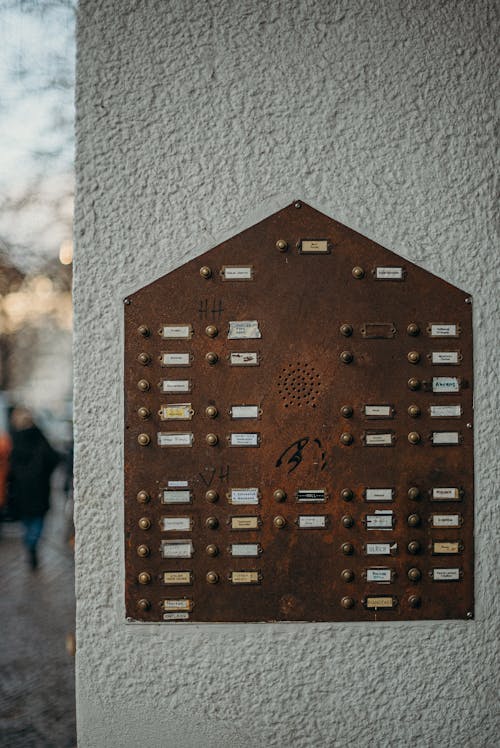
{"x":37,"y":694}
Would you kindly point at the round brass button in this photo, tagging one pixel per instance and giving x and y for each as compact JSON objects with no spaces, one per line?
{"x":143,"y":497}
{"x":212,"y":495}
{"x":143,"y":385}
{"x":414,"y":601}
{"x":414,"y":384}
{"x":347,"y":549}
{"x":413,"y":493}
{"x":211,"y":331}
{"x":347,"y":602}
{"x":413,"y":547}
{"x":346,"y":330}
{"x":212,"y":523}
{"x":144,"y":358}
{"x":347,"y":575}
{"x":346,"y":494}
{"x":282,"y":245}
{"x":346,"y":438}
{"x":212,"y":439}
{"x":143,"y":551}
{"x":346,"y":411}
{"x":144,"y":577}
{"x":144,"y":523}
{"x":358,"y":272}
{"x":205,"y":272}
{"x":211,"y":358}
{"x":414,"y":437}
{"x":143,"y":604}
{"x":143,"y":413}
{"x":414,"y":575}
{"x":347,"y":520}
{"x":413,"y":357}
{"x":143,"y":440}
{"x":212,"y":577}
{"x":346,"y":357}
{"x":144,"y":331}
{"x":211,"y":411}
{"x":279,"y":521}
{"x":414,"y":411}
{"x":279,"y":495}
{"x":413,"y":520}
{"x":413,"y":329}
{"x":212,"y":549}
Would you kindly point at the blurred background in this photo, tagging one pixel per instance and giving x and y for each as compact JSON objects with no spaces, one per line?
{"x":36,"y":253}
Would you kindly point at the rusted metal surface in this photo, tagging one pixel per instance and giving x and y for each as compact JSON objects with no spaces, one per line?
{"x":301,"y":383}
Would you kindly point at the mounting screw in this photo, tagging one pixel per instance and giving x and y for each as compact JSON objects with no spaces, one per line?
{"x":470,"y":614}
{"x":469,"y":425}
{"x":468,"y":300}
{"x":298,"y":204}
{"x":127,"y":301}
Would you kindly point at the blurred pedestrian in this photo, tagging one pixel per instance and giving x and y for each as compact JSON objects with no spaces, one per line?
{"x":32,"y":462}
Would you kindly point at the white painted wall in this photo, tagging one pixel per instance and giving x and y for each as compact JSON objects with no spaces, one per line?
{"x":191,"y":114}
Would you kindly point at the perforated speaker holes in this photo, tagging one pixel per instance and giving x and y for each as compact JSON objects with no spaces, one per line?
{"x":299,"y":384}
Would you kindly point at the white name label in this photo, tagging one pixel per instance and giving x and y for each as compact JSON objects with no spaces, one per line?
{"x":244,"y":496}
{"x":378,"y":440}
{"x":176,"y":616}
{"x":177,"y":332}
{"x":176,"y":497}
{"x":244,"y":359}
{"x":443,"y":331}
{"x":307,"y":522}
{"x":380,"y":521}
{"x":445,"y":494}
{"x":446,"y":437}
{"x":175,"y":385}
{"x":175,"y":439}
{"x":178,"y":604}
{"x":171,"y":524}
{"x":249,"y":550}
{"x":176,"y":548}
{"x":444,"y":357}
{"x":245,"y":411}
{"x":237,"y":272}
{"x":248,"y":329}
{"x":446,"y":575}
{"x":177,"y":483}
{"x":244,"y":440}
{"x":389,"y":273}
{"x":445,"y":411}
{"x":378,"y":411}
{"x":445,"y":384}
{"x":380,"y":549}
{"x":446,"y":520}
{"x":379,"y":494}
{"x":175,"y":359}
{"x":378,"y":575}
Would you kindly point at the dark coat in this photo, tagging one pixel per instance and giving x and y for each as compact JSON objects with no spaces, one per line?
{"x":32,"y":462}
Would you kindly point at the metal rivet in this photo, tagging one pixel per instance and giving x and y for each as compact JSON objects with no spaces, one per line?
{"x":414,"y":575}
{"x":346,"y":438}
{"x":470,"y":614}
{"x":205,"y":272}
{"x":414,"y":493}
{"x":143,"y":604}
{"x":279,"y":495}
{"x":211,"y":411}
{"x":413,"y":329}
{"x":144,"y":577}
{"x":211,"y":439}
{"x":298,"y":204}
{"x":143,"y":497}
{"x":127,"y":301}
{"x":413,"y":357}
{"x":414,"y":384}
{"x":358,"y":272}
{"x":346,"y":494}
{"x":143,"y":551}
{"x":282,"y":245}
{"x":346,"y":330}
{"x":347,"y":520}
{"x":414,"y":411}
{"x":144,"y":523}
{"x":347,"y":575}
{"x":414,"y":601}
{"x":212,"y":577}
{"x":144,"y":358}
{"x":469,"y":425}
{"x":211,"y":358}
{"x":144,"y":331}
{"x":212,"y":523}
{"x":468,"y":300}
{"x":143,"y":440}
{"x":413,"y":546}
{"x":143,"y":385}
{"x":212,"y":496}
{"x":211,"y":331}
{"x":212,"y":549}
{"x":279,"y":521}
{"x":346,"y":357}
{"x":347,"y":602}
{"x":414,"y":437}
{"x":143,"y":413}
{"x":413,"y":520}
{"x":346,"y":411}
{"x":347,"y":549}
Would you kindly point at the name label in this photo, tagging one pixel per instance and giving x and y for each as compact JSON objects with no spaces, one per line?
{"x":245,"y":577}
{"x":169,"y":386}
{"x":381,"y":549}
{"x":445,"y":357}
{"x":379,"y":440}
{"x":177,"y":332}
{"x":379,"y":494}
{"x":248,"y":358}
{"x":176,"y":548}
{"x":176,"y":412}
{"x":314,"y":247}
{"x":245,"y":411}
{"x":374,"y":602}
{"x":176,"y":497}
{"x":446,"y":575}
{"x":389,"y":273}
{"x":245,"y":330}
{"x":245,"y":523}
{"x":244,"y":496}
{"x":446,"y":548}
{"x":173,"y":524}
{"x":177,"y":577}
{"x":445,"y":494}
{"x":380,"y":576}
{"x":445,"y":384}
{"x":175,"y":359}
{"x":244,"y":440}
{"x":379,"y":411}
{"x":175,"y":439}
{"x":443,"y":331}
{"x":177,"y":604}
{"x":311,"y":495}
{"x":248,"y":550}
{"x":311,"y":522}
{"x":383,"y":520}
{"x":237,"y":272}
{"x":445,"y":411}
{"x":446,"y":438}
{"x":446,"y":520}
{"x":176,"y":616}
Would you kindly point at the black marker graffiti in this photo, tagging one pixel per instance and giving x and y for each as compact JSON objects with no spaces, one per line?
{"x":296,"y":450}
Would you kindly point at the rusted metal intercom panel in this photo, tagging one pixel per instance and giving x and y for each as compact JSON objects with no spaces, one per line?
{"x":298,"y":433}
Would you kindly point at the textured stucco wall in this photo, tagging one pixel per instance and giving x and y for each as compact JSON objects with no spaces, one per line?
{"x":191,"y":115}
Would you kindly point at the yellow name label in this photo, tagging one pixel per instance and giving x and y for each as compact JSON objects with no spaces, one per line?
{"x":244,"y":523}
{"x":177,"y":577}
{"x":245,"y":577}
